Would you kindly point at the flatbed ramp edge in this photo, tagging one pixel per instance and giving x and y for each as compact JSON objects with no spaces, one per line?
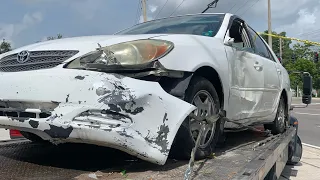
{"x":248,"y":155}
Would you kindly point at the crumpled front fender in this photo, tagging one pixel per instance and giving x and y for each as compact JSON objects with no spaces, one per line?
{"x":132,"y":115}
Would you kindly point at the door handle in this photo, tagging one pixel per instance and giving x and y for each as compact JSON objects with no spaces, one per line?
{"x":257,"y":66}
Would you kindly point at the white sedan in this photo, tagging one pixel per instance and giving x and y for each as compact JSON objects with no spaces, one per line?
{"x":134,"y":90}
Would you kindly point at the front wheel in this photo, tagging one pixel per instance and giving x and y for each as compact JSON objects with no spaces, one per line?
{"x":203,"y":95}
{"x":281,"y":121}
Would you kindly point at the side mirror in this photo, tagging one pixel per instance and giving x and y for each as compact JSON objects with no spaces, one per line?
{"x":307,"y":88}
{"x":229,"y":42}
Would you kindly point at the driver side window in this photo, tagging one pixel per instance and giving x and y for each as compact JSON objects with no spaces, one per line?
{"x":240,"y":36}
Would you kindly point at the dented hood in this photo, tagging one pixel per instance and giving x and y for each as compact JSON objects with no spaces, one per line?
{"x":83,"y":44}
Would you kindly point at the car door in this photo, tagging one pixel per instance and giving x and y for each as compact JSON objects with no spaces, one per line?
{"x":247,"y":76}
{"x":271,"y":74}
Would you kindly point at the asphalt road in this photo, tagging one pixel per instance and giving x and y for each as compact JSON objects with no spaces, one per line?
{"x":309,"y":122}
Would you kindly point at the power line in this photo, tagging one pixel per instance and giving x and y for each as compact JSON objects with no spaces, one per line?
{"x":177,"y":7}
{"x":161,"y":9}
{"x":242,"y":6}
{"x":250,"y":7}
{"x":310,"y":33}
{"x":232,"y":7}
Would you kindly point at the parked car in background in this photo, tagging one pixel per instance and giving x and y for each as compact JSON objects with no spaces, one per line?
{"x":134,"y":90}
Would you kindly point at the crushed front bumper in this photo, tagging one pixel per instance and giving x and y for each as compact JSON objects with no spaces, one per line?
{"x":65,"y":105}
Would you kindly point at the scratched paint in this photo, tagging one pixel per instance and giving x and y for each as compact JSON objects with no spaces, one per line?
{"x":137,"y":117}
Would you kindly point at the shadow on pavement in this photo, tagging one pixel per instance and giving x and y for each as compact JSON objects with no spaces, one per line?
{"x":289,"y":172}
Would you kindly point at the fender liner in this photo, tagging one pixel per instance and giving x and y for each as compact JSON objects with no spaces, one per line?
{"x":176,"y":86}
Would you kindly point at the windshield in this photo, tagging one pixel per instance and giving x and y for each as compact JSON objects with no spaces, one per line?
{"x":203,"y":24}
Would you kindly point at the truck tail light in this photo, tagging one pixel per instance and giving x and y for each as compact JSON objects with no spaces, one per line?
{"x":15,"y":134}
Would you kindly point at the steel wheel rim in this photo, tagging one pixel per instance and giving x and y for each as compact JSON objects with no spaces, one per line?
{"x":205,"y":107}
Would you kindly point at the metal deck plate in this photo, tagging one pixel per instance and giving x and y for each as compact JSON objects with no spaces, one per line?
{"x":26,"y":160}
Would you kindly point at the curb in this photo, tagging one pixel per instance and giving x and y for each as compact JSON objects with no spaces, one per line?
{"x":304,"y":104}
{"x":311,"y":146}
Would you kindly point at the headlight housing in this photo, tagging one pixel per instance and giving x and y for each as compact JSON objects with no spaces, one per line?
{"x":128,"y":53}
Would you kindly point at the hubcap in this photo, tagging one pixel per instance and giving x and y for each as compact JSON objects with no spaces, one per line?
{"x":205,"y":107}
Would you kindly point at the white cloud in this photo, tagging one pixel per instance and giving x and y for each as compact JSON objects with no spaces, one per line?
{"x":293,"y":16}
{"x":86,"y":8}
{"x":9,"y":31}
{"x":153,"y":8}
{"x":279,"y":9}
{"x":306,"y":25}
{"x":305,"y":22}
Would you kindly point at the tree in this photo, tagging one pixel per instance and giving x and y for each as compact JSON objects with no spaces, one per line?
{"x":302,"y":65}
{"x":303,"y":54}
{"x":59,"y":36}
{"x":303,"y":51}
{"x":5,"y":47}
{"x":286,"y":50}
{"x":316,"y":78}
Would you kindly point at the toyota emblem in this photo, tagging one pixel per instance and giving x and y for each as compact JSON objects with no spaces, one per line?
{"x":23,"y":56}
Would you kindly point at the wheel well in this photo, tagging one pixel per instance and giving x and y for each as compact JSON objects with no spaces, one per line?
{"x":285,"y":98}
{"x":212,"y":75}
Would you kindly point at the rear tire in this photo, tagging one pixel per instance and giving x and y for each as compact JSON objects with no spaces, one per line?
{"x":202,"y":94}
{"x":280,"y":123}
{"x":32,"y":137}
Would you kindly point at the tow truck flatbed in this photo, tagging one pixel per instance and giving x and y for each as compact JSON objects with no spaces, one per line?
{"x":247,"y":155}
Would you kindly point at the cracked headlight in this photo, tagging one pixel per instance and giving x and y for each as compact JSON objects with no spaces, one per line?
{"x":127,"y":53}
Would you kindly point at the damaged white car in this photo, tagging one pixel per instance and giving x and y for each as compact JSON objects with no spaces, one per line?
{"x":134,"y":90}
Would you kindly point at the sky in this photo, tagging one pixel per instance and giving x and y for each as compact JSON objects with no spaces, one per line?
{"x":23,"y":22}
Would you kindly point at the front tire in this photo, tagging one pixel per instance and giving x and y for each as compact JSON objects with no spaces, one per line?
{"x":281,"y":121}
{"x":203,"y":95}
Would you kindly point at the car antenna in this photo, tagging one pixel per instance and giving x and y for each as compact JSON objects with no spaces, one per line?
{"x":213,"y":4}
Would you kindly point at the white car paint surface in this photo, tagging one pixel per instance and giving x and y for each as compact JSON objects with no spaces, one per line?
{"x":114,"y":109}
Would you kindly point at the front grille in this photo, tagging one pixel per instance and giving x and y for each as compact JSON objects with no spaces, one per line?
{"x":37,"y":60}
{"x":16,"y":109}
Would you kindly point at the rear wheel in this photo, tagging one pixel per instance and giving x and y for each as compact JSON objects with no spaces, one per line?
{"x":281,"y":121}
{"x":203,"y":95}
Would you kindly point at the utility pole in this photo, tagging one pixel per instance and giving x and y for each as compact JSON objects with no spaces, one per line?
{"x":269,"y":24}
{"x":280,"y":46}
{"x":144,"y":10}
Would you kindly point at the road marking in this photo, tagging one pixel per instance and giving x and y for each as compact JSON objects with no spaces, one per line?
{"x":307,"y":114}
{"x":312,"y":146}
